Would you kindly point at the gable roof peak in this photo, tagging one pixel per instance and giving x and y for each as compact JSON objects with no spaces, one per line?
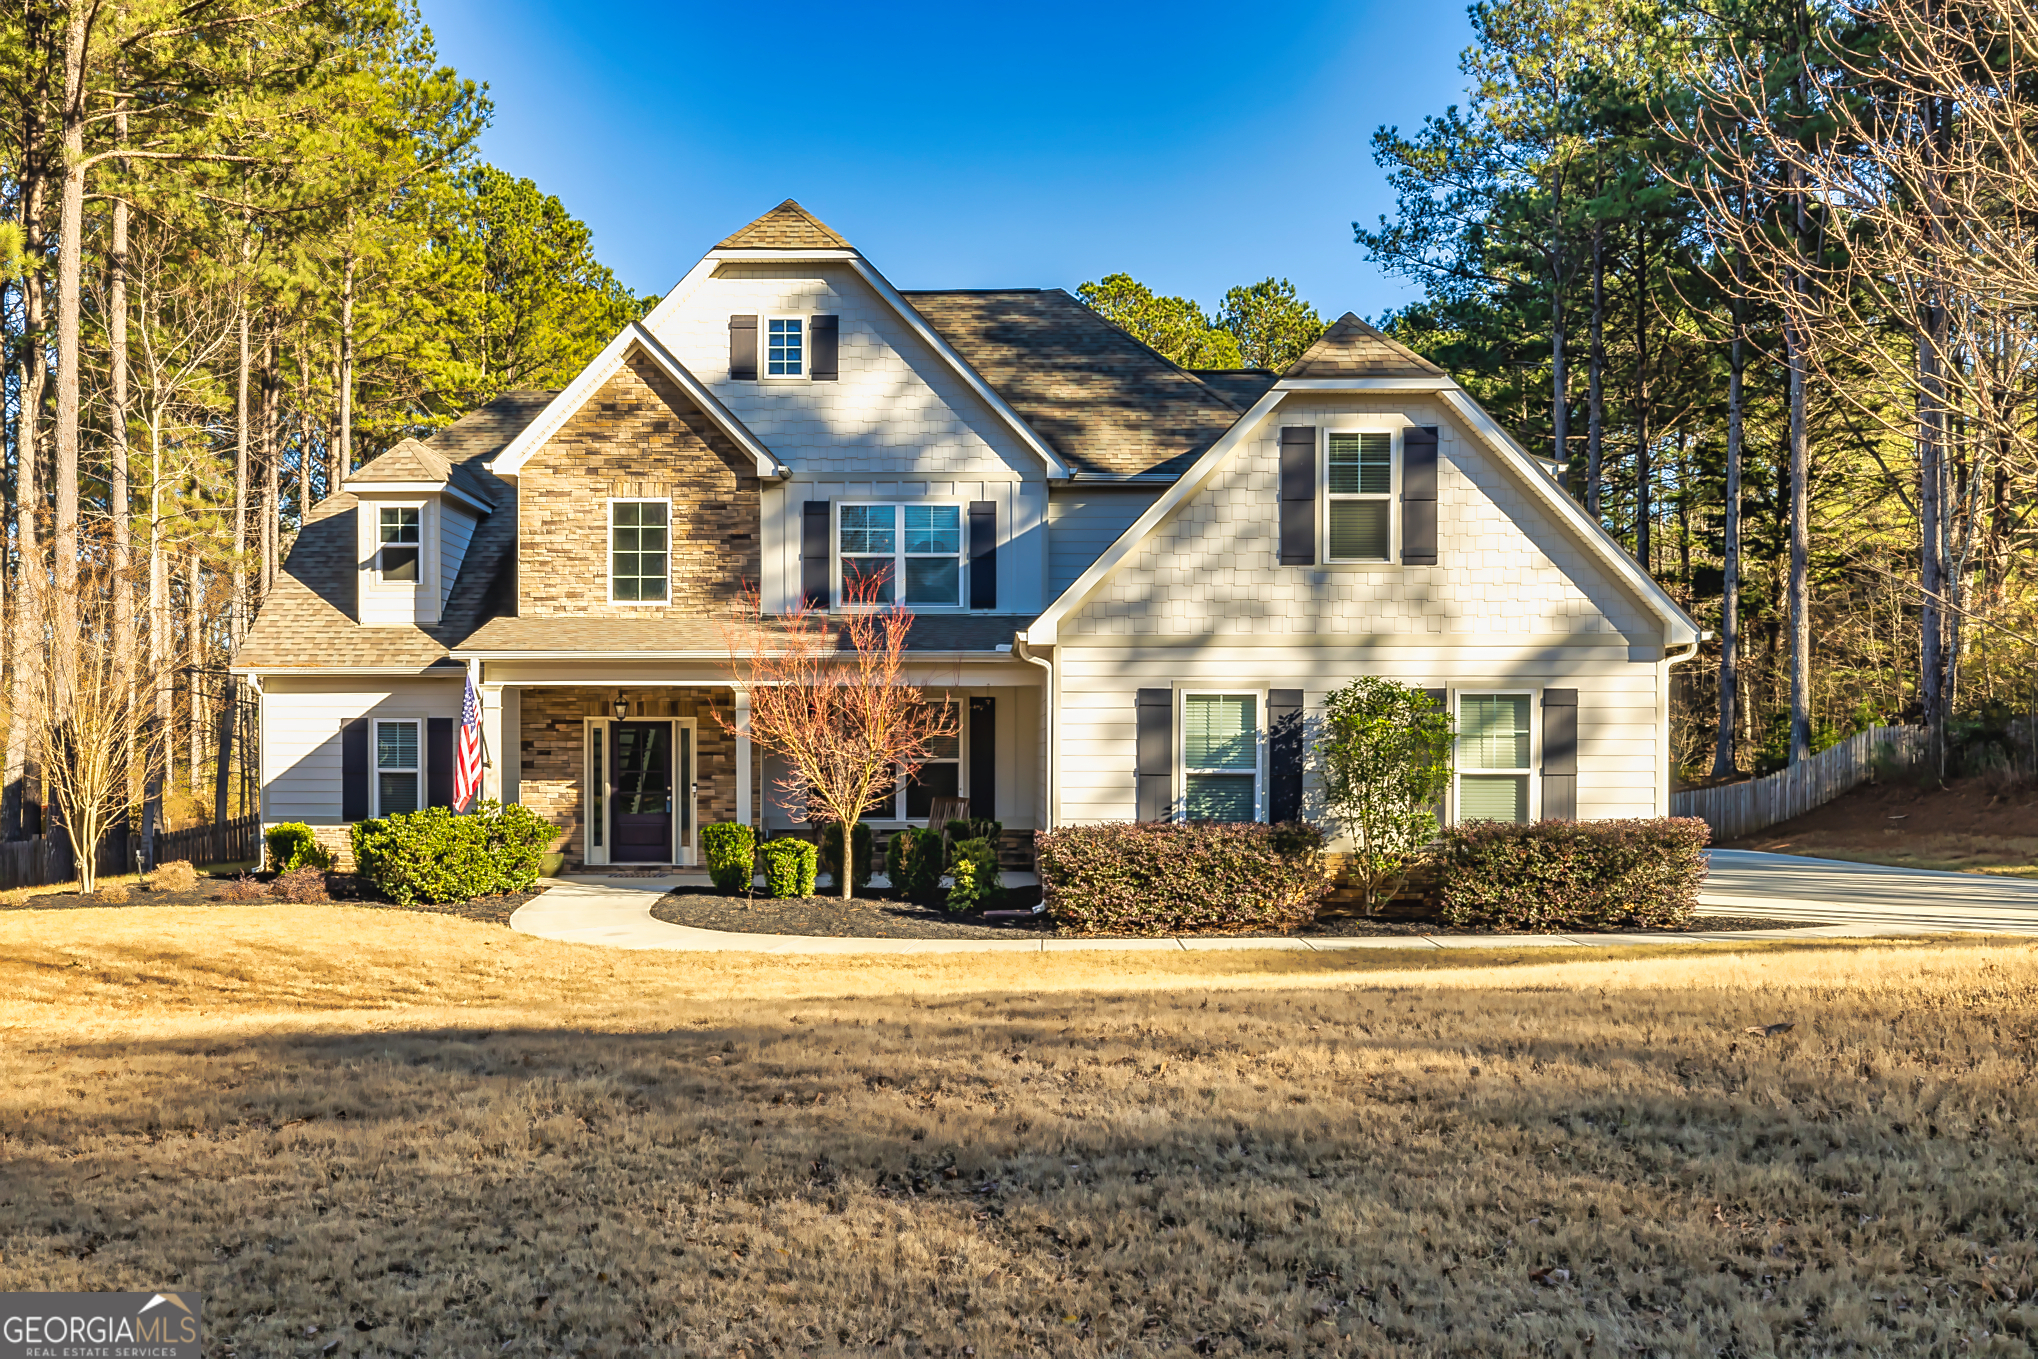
{"x":1353,"y":349}
{"x":407,"y":460}
{"x":786,"y":227}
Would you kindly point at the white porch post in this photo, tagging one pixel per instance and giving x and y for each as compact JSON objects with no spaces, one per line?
{"x":493,"y":753}
{"x":742,"y":757}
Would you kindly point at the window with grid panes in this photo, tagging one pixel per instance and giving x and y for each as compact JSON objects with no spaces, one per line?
{"x":1220,"y":757}
{"x":785,"y":348}
{"x":886,"y":547}
{"x":1493,"y":757}
{"x":638,"y":551}
{"x":396,"y":767}
{"x":1358,"y":486}
{"x":397,"y":546}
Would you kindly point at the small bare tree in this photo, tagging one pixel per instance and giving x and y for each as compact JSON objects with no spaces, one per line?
{"x":829,"y":697}
{"x":92,"y":717}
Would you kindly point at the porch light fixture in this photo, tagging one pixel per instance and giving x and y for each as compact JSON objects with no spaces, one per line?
{"x":622,"y":708}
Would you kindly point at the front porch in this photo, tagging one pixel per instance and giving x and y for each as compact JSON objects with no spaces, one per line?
{"x":629,"y":773}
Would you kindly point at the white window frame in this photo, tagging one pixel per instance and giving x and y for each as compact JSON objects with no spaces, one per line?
{"x":1181,"y":751}
{"x":806,"y":324}
{"x":1532,"y":804}
{"x":608,"y":561}
{"x":899,"y":553}
{"x":376,"y":771}
{"x":1392,"y":496}
{"x":376,"y":545}
{"x":898,"y":815}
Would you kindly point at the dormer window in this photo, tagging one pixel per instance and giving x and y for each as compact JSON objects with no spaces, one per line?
{"x":785,"y":352}
{"x":398,"y":544}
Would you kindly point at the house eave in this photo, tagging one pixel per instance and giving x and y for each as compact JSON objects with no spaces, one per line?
{"x":445,"y":488}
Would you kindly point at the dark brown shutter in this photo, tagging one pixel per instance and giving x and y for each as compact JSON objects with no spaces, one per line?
{"x":983,"y":554}
{"x":438,"y":762}
{"x":1156,"y":775}
{"x":743,"y":349}
{"x":823,"y":348}
{"x":814,"y":555}
{"x":1560,"y":754}
{"x":1419,"y":496}
{"x":354,"y":770}
{"x":983,"y":758}
{"x":1284,"y":755}
{"x":1298,"y":495}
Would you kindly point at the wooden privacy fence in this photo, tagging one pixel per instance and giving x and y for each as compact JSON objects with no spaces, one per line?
{"x":47,"y":859}
{"x":1737,"y":809}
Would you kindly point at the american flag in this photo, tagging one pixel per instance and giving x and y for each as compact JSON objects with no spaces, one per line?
{"x":467,"y":765}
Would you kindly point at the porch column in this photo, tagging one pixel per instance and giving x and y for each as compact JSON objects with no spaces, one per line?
{"x":494,"y":755}
{"x":742,"y":757}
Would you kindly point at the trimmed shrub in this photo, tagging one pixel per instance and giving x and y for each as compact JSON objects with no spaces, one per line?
{"x":292,"y":846}
{"x":789,"y":866}
{"x":300,"y":885}
{"x":913,"y":863}
{"x":731,"y":852}
{"x":112,"y":893}
{"x":1182,"y":877}
{"x":175,"y":876}
{"x":436,"y":855}
{"x":975,"y":828}
{"x":975,"y":866}
{"x":1570,"y":875}
{"x":831,"y":854}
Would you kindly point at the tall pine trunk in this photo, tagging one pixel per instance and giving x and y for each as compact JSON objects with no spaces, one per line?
{"x":1797,"y":601}
{"x":237,"y":607}
{"x":342,"y":457}
{"x":1595,"y":400}
{"x":1723,"y":763}
{"x":17,"y":805}
{"x":117,"y":462}
{"x":1644,"y":472}
{"x":271,"y":455}
{"x":70,"y":287}
{"x":194,"y":639}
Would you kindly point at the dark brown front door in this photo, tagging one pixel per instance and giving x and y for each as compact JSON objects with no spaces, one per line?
{"x":641,"y":755}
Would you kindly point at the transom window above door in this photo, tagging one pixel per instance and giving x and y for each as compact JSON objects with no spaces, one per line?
{"x":639,"y":557}
{"x":910,"y":554}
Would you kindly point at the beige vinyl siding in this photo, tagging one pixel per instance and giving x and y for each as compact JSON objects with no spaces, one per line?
{"x":1619,"y":730}
{"x":1082,"y":522}
{"x":301,"y":722}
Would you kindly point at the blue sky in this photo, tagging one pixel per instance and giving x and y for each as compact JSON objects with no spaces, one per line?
{"x":1194,"y":146}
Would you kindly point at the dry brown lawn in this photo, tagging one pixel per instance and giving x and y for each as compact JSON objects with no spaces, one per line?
{"x":381,"y":1133}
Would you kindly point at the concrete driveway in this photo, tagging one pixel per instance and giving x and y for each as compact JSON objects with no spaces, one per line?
{"x":1790,"y":887}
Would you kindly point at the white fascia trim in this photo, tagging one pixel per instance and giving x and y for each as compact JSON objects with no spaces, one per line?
{"x":432,"y":671}
{"x":1041,"y":632}
{"x":1678,"y":627}
{"x":418,"y":488}
{"x":756,"y":254}
{"x":1057,"y":470}
{"x":1400,"y":384}
{"x":605,"y":366}
{"x":721,"y":657}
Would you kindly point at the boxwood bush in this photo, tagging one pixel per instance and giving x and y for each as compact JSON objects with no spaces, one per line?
{"x":789,"y":866}
{"x":1188,"y":877}
{"x":913,"y":863}
{"x":436,"y":855}
{"x":293,"y":846}
{"x":731,"y":854}
{"x":977,"y":885}
{"x":1572,"y":875}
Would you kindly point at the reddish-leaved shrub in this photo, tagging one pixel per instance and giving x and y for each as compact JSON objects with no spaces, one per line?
{"x":1182,"y":877}
{"x":300,"y":885}
{"x":247,"y":887}
{"x":1572,"y":875}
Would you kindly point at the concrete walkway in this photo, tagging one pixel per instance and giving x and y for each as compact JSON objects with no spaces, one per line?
{"x":585,"y":909}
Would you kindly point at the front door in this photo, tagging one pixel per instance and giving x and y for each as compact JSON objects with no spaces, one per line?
{"x":641,"y":755}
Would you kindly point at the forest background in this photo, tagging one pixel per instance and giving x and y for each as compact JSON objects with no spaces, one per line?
{"x":1758,"y":279}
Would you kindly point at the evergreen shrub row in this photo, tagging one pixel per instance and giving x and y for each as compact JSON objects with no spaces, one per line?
{"x":1182,"y":877}
{"x":436,"y":855}
{"x":1567,"y":875}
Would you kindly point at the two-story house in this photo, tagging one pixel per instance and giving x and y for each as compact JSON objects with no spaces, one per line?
{"x":1135,"y":581}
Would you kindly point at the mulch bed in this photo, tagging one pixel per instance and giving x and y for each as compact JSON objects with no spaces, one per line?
{"x":343,"y":888}
{"x":875,"y":917}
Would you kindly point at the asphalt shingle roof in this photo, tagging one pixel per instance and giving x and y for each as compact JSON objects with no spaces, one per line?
{"x":308,"y":620}
{"x":786,"y":227}
{"x":1101,"y":399}
{"x":1353,"y":349}
{"x":1240,"y":386}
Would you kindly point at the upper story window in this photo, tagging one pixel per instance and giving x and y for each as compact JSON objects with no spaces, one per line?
{"x":1221,"y":757}
{"x":785,"y":347}
{"x":397,"y":544}
{"x":1358,"y":495}
{"x":639,"y":556}
{"x":1493,"y":757}
{"x":910,"y":554}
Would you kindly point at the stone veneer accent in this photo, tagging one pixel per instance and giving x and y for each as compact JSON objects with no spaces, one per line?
{"x":638,"y":436}
{"x":553,"y":743}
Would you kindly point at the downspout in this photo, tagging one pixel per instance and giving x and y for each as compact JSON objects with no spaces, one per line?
{"x":1670,"y":658}
{"x":261,"y":755}
{"x":1047,"y":708}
